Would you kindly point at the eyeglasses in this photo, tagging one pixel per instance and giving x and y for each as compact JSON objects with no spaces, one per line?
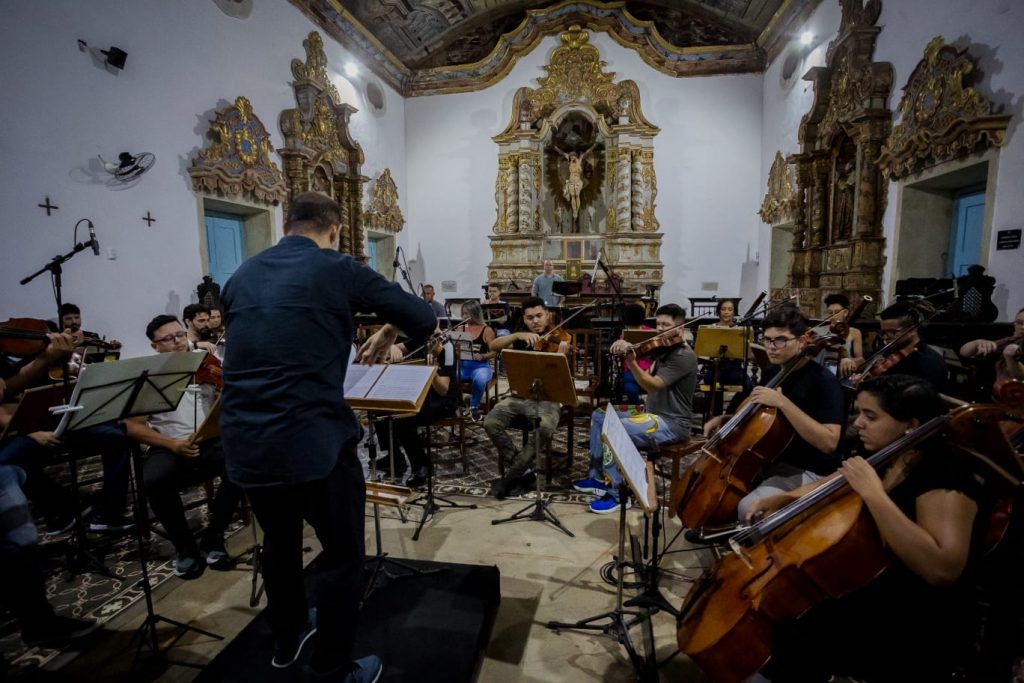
{"x":171,"y":337}
{"x":778,"y":342}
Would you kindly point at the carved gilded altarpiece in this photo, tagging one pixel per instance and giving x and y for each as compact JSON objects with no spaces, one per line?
{"x":319,"y":152}
{"x":837,"y":232}
{"x":780,"y":201}
{"x":384,"y":214}
{"x":576,"y":174}
{"x":237,"y":162}
{"x":942,"y":117}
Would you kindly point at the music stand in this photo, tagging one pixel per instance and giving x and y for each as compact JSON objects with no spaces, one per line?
{"x":541,"y":377}
{"x":718,"y":344}
{"x":638,"y":480}
{"x":132,"y":388}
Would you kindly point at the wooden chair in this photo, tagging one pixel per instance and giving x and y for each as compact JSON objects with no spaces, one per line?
{"x":585,"y":364}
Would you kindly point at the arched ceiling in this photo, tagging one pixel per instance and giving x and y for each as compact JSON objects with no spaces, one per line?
{"x":431,"y":46}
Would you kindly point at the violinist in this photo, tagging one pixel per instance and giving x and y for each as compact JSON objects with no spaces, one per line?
{"x":197,"y":324}
{"x":837,"y":308}
{"x":913,"y":357}
{"x":173,"y":462}
{"x":216,"y":323}
{"x":475,"y":355}
{"x":499,"y":321}
{"x":810,"y":399}
{"x":1009,"y":350}
{"x":633,"y":317}
{"x":537,"y":337}
{"x":71,"y":320}
{"x":929,"y":505}
{"x":669,"y":382}
{"x":441,"y":402}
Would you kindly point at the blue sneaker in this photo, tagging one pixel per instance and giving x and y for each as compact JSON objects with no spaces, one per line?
{"x":368,"y":670}
{"x":606,"y":505}
{"x":592,"y":486}
{"x":287,"y":652}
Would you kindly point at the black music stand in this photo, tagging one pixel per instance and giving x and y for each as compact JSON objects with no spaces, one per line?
{"x":132,"y":388}
{"x":541,"y":377}
{"x":638,"y":480}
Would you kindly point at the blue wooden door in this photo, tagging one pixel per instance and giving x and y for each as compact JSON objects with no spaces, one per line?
{"x":965,"y":235}
{"x":225,"y":245}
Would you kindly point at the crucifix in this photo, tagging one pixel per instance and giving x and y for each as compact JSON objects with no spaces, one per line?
{"x":48,"y":206}
{"x":149,"y":219}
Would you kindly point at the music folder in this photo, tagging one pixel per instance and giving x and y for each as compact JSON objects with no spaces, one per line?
{"x":33,"y":414}
{"x":712,"y":340}
{"x":638,"y":472}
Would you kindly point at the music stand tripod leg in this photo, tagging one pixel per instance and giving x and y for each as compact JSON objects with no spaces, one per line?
{"x":430,"y":505}
{"x":617,"y":624}
{"x":539,"y":510}
{"x":380,"y":558}
{"x":146,"y":634}
{"x":79,"y":557}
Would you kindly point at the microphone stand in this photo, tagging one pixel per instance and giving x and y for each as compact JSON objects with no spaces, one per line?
{"x":404,"y":269}
{"x":80,"y":559}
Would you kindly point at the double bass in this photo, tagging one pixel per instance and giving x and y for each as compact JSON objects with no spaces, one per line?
{"x":823,"y":545}
{"x":711,"y":489}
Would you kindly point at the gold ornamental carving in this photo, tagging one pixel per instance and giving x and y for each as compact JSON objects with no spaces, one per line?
{"x":384,"y":214}
{"x":319,"y":152}
{"x":779,"y":205}
{"x":941,"y":116}
{"x":237,"y":162}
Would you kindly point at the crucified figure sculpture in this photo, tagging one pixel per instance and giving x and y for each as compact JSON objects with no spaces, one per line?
{"x":574,"y":184}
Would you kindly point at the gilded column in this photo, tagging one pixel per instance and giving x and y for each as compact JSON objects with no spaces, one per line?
{"x":819,"y":202}
{"x":501,"y":197}
{"x":636,"y":192}
{"x":800,"y":209}
{"x":526,"y":197}
{"x":623,"y":187}
{"x":868,"y":220}
{"x":512,"y":198}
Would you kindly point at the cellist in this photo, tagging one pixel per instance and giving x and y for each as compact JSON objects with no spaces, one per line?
{"x":811,"y":399}
{"x":909,"y":623}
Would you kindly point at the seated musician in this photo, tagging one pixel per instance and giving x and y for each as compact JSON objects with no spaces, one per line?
{"x":475,"y":356}
{"x":71,"y":320}
{"x":440,"y":403}
{"x":980,"y":348}
{"x":500,"y":322}
{"x":930,"y":507}
{"x":669,"y":383}
{"x":31,"y":452}
{"x":519,"y":475}
{"x":197,"y":324}
{"x":173,"y":462}
{"x":216,"y":323}
{"x":810,"y":399}
{"x":731,"y":371}
{"x":837,"y":308}
{"x":901,"y":321}
{"x":22,"y":581}
{"x":633,"y":317}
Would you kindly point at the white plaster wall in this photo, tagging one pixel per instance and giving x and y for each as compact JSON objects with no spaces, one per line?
{"x":707,"y":159}
{"x":59,"y":111}
{"x":991,"y":30}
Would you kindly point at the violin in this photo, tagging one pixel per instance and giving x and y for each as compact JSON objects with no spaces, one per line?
{"x":24,"y":337}
{"x":673,"y":336}
{"x":211,"y":371}
{"x":841,"y":328}
{"x":550,"y":341}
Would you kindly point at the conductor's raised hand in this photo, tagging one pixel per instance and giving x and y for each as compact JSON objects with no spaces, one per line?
{"x":377,"y":348}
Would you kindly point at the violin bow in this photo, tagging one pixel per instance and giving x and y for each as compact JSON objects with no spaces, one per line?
{"x":575,"y":313}
{"x":443,"y":338}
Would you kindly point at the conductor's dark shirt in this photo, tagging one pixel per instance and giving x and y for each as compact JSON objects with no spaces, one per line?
{"x":288,"y":312}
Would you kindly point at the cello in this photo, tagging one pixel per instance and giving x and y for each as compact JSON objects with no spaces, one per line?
{"x":711,"y":489}
{"x":823,"y":545}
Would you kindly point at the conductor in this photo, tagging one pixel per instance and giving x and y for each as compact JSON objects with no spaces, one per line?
{"x":289,"y":437}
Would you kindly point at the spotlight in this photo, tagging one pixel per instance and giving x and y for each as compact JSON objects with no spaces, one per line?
{"x":115,"y":57}
{"x":806,"y":38}
{"x":351,"y":69}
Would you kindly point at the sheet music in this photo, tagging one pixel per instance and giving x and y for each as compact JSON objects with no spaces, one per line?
{"x":359,"y":379}
{"x":631,"y":463}
{"x":401,"y":382}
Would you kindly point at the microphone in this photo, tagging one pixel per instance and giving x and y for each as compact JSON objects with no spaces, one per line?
{"x":396,"y":262}
{"x":93,"y":240}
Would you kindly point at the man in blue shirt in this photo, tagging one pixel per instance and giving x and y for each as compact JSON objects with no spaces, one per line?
{"x":543,"y":285}
{"x":290,"y":438}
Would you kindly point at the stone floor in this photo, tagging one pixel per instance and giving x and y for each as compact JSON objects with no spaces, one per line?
{"x":545,"y":575}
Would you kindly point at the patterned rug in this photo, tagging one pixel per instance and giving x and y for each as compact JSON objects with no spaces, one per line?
{"x":92,"y":594}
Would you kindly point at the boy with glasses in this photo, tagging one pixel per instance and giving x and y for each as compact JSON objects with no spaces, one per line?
{"x":900,"y":322}
{"x":810,"y":399}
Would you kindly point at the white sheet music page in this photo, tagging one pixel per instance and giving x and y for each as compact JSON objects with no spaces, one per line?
{"x":631,"y":463}
{"x":359,"y":379}
{"x":401,"y":382}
